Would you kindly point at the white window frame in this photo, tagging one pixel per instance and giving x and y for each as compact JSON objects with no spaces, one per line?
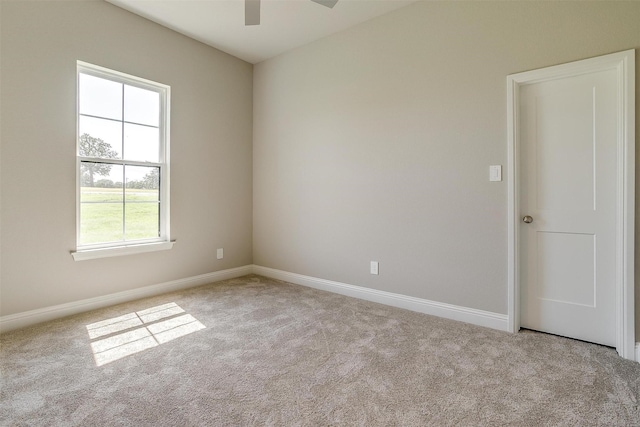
{"x":162,"y":242}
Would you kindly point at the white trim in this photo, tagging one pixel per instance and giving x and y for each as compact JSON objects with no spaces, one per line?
{"x":624,"y":64}
{"x":513,"y":157}
{"x":163,"y":163}
{"x":447,"y":311}
{"x":27,"y":318}
{"x":125,"y":78}
{"x":85,"y":254}
{"x":638,"y":352}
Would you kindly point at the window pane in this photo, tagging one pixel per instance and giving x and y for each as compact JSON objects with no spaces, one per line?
{"x":100,"y":138}
{"x":100,"y":97}
{"x":101,"y":175}
{"x":101,"y":223}
{"x":141,"y":143}
{"x":101,"y":203}
{"x":142,"y":202}
{"x":143,"y":220}
{"x":144,"y":178}
{"x":141,"y":106}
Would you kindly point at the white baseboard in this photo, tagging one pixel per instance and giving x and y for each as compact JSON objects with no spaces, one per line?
{"x":448,"y":311}
{"x":27,"y":318}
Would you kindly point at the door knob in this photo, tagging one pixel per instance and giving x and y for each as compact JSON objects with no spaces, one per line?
{"x":527,"y":219}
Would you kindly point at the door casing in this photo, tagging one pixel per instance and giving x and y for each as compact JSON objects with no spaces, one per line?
{"x":624,"y":64}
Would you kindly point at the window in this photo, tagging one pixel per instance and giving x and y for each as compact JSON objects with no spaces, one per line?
{"x":123,"y":163}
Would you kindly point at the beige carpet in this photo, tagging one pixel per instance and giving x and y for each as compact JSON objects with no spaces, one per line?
{"x":256,"y":351}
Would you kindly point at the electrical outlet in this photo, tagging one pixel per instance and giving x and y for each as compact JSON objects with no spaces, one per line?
{"x":220,"y":253}
{"x":374,"y":267}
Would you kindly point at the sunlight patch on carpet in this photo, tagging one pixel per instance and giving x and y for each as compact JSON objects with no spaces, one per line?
{"x":122,"y":336}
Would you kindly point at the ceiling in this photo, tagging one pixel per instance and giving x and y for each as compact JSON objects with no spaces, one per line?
{"x":285,"y":24}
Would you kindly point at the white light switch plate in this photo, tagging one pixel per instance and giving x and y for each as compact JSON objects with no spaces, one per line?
{"x":220,"y":253}
{"x":374,"y":267}
{"x":495,"y":173}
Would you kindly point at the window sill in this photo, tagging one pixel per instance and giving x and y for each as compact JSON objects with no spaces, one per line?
{"x":82,"y":255}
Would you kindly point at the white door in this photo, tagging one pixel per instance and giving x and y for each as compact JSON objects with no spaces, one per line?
{"x":568,"y":133}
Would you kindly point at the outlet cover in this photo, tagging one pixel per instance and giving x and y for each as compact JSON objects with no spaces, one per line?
{"x":220,"y":253}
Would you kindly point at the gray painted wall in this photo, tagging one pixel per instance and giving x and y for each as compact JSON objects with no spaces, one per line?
{"x":211,"y":163}
{"x":372,"y":144}
{"x":375,"y":143}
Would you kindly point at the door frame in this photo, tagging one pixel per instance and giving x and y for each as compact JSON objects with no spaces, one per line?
{"x":624,"y":64}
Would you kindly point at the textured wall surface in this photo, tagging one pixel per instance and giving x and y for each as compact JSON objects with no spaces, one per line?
{"x":211,"y":131}
{"x":375,"y":143}
{"x":371,"y":144}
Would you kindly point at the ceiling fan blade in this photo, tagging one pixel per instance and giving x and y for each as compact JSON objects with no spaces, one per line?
{"x":328,"y":3}
{"x":251,"y":12}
